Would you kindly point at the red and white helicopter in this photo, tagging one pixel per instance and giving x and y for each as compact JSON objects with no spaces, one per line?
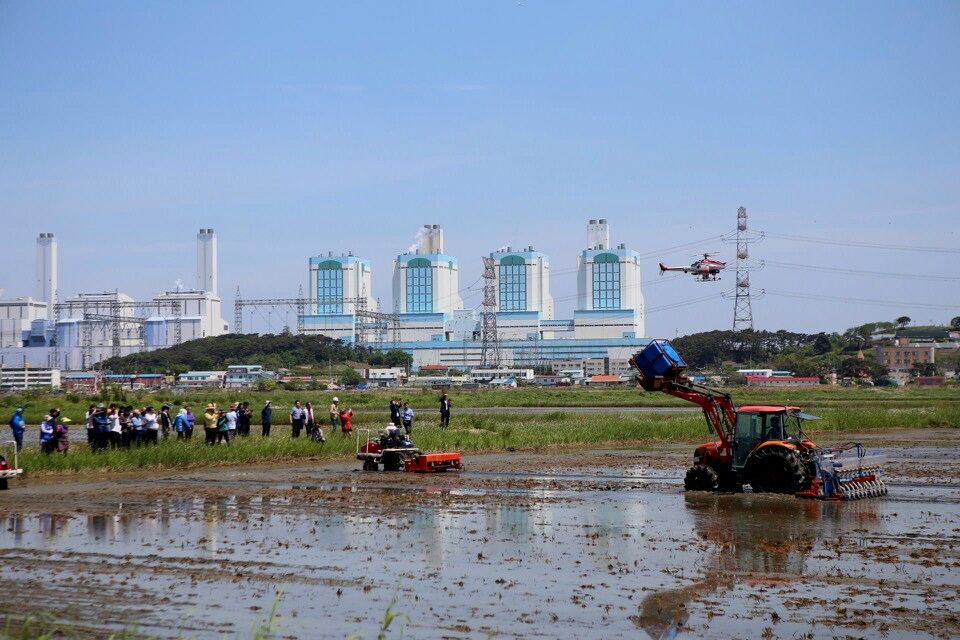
{"x":704,"y":269}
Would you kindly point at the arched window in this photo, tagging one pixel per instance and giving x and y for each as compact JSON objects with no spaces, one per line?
{"x":330,"y":287}
{"x":606,"y":281}
{"x":513,"y":284}
{"x":419,"y":286}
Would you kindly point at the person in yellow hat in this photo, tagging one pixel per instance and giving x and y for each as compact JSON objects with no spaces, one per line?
{"x":210,"y":424}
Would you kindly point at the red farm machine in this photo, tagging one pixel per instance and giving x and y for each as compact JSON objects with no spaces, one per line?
{"x":394,"y":451}
{"x":763,"y":446}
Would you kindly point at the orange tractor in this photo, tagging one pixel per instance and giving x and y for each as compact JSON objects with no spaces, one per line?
{"x":763,"y":446}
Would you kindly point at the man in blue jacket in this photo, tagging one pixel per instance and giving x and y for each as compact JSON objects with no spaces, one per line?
{"x":18,"y":425}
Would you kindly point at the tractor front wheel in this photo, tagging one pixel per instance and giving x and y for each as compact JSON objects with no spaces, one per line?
{"x":700,"y":477}
{"x":775,"y":471}
{"x":370,"y":465}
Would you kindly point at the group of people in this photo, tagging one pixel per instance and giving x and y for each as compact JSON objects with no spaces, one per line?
{"x":116,"y":426}
{"x":401,"y":415}
{"x":302,"y":418}
{"x":224,"y":425}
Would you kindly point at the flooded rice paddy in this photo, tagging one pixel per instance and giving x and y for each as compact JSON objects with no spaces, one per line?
{"x":567,"y":544}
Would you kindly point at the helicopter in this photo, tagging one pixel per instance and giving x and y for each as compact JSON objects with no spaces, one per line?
{"x":704,"y":269}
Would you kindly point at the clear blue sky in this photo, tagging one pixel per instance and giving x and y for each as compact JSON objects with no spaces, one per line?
{"x":296,"y":128}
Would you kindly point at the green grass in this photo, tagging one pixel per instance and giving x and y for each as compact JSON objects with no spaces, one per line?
{"x":470,"y":432}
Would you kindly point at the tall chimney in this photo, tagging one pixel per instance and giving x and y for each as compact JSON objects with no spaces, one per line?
{"x":207,"y":261}
{"x":47,"y":270}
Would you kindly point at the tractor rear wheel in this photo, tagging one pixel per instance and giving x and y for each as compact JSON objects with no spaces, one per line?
{"x":775,"y":471}
{"x":391,"y":462}
{"x":700,"y":477}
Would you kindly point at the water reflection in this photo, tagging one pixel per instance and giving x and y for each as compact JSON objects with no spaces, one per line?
{"x":754,"y":540}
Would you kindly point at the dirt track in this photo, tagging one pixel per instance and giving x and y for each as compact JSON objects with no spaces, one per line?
{"x":522,"y":544}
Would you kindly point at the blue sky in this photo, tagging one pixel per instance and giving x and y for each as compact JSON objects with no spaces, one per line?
{"x":298,"y":128}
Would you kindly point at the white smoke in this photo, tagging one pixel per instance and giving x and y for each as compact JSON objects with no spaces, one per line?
{"x":418,"y":243}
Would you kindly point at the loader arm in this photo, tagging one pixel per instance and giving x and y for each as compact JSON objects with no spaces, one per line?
{"x":718,"y":409}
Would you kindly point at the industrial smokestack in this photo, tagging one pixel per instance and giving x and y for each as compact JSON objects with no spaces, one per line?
{"x":207,"y":261}
{"x":47,"y":270}
{"x":598,"y":234}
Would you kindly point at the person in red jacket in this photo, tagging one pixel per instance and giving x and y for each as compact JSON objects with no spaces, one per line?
{"x":346,"y":426}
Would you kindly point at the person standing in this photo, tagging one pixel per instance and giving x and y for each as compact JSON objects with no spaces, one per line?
{"x":136,"y":427}
{"x":18,"y":425}
{"x":407,"y":417}
{"x":223,"y":428}
{"x":101,"y":428}
{"x":61,"y":436}
{"x":395,"y":412}
{"x":444,"y":411}
{"x":47,"y":429}
{"x":151,"y":425}
{"x":90,"y":431}
{"x":191,"y":421}
{"x":244,"y":419}
{"x":346,"y":422}
{"x":210,"y":424}
{"x":308,"y":422}
{"x":266,"y":419}
{"x":334,"y":414}
{"x":296,"y":419}
{"x":166,"y":420}
{"x":116,"y":430}
{"x":231,"y":417}
{"x":180,"y":423}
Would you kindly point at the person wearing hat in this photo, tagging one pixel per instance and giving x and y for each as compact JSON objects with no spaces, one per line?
{"x":61,"y":437}
{"x":335,"y":414}
{"x":232,"y":419}
{"x":18,"y":425}
{"x":210,"y":424}
{"x":266,"y":419}
{"x":151,"y":425}
{"x":47,"y":429}
{"x":101,"y":428}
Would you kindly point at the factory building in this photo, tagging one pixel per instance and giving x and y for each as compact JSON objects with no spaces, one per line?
{"x":339,"y":296}
{"x":433,"y":326}
{"x":425,"y":288}
{"x":83,"y":329}
{"x":609,"y":295}
{"x":522,"y":285}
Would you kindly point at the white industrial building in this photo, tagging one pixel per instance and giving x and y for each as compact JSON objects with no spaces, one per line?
{"x":340,"y":289}
{"x":430,"y":322}
{"x":78,"y":331}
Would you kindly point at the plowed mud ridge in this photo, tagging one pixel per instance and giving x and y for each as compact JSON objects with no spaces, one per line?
{"x":521,"y":544}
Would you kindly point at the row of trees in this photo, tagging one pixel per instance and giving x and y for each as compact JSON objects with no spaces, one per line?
{"x":283,"y":351}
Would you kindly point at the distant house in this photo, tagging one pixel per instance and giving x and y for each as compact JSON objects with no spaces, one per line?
{"x":603,"y":381}
{"x":202,"y":379}
{"x":782,"y":381}
{"x":244,"y":376}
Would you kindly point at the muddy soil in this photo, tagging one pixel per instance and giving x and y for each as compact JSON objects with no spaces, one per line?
{"x":542,"y":544}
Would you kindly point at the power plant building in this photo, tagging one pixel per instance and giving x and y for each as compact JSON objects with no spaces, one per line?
{"x":609,"y":295}
{"x":522,"y":285}
{"x":425,"y":288}
{"x":339,"y":296}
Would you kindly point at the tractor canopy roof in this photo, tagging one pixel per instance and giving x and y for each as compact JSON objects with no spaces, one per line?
{"x":763,"y":408}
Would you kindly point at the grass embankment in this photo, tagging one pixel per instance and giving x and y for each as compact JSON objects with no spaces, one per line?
{"x":844,"y":410}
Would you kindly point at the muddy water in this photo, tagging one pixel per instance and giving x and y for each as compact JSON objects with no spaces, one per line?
{"x":606,"y":547}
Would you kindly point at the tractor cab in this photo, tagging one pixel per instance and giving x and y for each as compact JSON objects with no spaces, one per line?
{"x":758,"y":425}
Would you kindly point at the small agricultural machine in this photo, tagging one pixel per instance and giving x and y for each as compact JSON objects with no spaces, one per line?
{"x":7,"y":471}
{"x":763,"y":446}
{"x":395,"y":452}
